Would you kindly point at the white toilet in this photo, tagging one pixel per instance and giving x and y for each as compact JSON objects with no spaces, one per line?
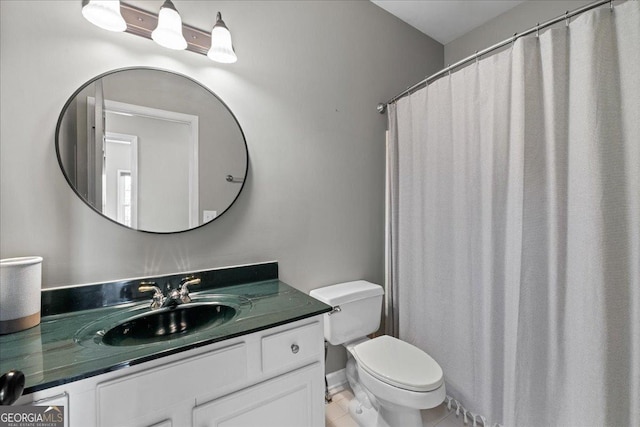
{"x":392,"y":380}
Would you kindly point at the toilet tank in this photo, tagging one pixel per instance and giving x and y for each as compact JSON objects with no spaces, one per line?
{"x":360,"y":305}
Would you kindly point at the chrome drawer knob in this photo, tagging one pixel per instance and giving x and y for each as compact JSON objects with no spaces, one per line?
{"x":294,"y":348}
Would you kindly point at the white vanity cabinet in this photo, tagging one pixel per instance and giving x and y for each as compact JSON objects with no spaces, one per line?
{"x":293,"y":360}
{"x":167,"y":392}
{"x":60,"y":401}
{"x":273,"y":377}
{"x":285,"y":401}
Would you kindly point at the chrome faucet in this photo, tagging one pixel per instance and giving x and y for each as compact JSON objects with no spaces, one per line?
{"x":174,"y":297}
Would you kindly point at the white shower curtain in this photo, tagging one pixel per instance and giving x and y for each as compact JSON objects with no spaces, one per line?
{"x":515,"y":225}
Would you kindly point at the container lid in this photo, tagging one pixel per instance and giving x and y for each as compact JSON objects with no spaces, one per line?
{"x":343,"y":293}
{"x":399,"y":363}
{"x":27,"y":260}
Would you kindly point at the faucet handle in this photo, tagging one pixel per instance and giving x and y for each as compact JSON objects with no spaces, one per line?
{"x":158,"y":296}
{"x":148,"y":287}
{"x":184,"y":288}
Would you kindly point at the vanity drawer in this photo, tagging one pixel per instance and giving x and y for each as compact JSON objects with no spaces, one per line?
{"x":292,"y":347}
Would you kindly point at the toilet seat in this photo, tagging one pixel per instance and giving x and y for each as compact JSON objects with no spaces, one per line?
{"x":399,"y":364}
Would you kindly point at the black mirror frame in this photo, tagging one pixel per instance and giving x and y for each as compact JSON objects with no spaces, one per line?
{"x":75,"y":190}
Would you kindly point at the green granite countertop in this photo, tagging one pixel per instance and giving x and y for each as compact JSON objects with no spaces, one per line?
{"x":63,"y":348}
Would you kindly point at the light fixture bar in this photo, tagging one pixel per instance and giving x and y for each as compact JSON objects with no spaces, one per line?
{"x":142,"y":23}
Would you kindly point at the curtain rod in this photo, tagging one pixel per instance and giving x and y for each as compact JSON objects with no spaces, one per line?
{"x":382,"y":107}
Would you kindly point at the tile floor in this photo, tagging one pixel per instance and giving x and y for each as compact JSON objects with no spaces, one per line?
{"x":337,"y":414}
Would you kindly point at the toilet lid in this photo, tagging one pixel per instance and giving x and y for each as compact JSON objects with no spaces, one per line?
{"x":399,"y":363}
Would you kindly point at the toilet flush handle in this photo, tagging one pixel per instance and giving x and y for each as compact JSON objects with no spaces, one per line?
{"x":336,"y":309}
{"x":295,"y":348}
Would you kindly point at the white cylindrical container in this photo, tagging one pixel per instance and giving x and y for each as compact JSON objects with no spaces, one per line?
{"x":20,"y":287}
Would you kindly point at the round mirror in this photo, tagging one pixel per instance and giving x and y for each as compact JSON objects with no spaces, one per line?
{"x":151,"y":150}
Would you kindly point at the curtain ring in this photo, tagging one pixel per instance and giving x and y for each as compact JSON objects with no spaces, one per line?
{"x":476,"y":56}
{"x":538,"y":30}
{"x":566,"y":18}
{"x":611,"y":5}
{"x":449,"y":69}
{"x":515,"y":37}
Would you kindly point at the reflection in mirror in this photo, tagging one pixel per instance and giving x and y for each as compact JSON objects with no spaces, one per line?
{"x":151,"y":150}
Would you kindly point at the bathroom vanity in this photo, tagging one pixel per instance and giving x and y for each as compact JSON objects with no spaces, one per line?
{"x":262,"y":367}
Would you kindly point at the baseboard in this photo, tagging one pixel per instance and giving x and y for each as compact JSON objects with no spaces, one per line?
{"x":337,"y":381}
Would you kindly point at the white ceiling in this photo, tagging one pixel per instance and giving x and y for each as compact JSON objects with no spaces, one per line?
{"x":446,"y":20}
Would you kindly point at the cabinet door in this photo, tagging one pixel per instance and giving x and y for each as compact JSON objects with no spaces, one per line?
{"x":292,"y":400}
{"x":168,"y":392}
{"x":59,"y":402}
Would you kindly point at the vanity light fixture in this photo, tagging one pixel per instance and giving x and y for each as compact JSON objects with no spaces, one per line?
{"x":221,"y":47}
{"x":168,"y":33}
{"x":165,"y":28}
{"x":104,"y":14}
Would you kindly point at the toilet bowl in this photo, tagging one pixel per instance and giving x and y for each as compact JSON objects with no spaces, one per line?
{"x":392,"y":380}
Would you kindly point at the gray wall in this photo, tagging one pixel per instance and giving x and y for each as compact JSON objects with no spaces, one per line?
{"x":304,"y":89}
{"x":516,"y":20}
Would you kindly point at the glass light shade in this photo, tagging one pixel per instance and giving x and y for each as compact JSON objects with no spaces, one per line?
{"x":105,"y":14}
{"x":168,"y":33}
{"x":221,"y":47}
